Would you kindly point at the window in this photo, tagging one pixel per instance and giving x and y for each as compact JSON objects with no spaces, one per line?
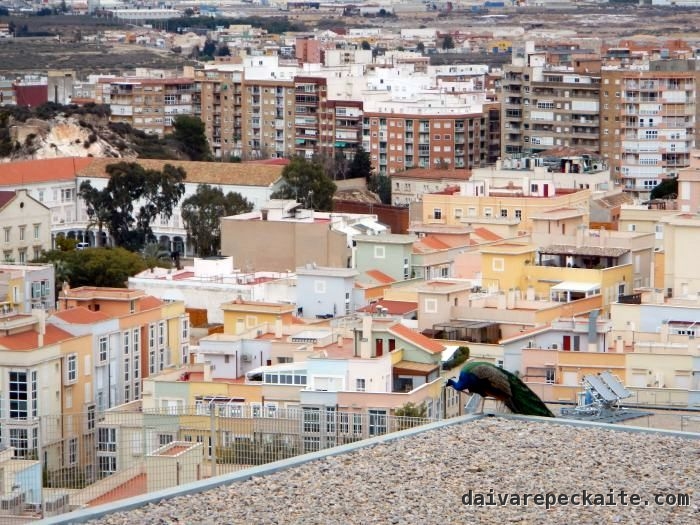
{"x":488,"y":212}
{"x":22,"y":229}
{"x":377,"y":422}
{"x":165,"y":439}
{"x":22,"y":255}
{"x":91,"y":417}
{"x":22,"y":395}
{"x":72,"y":451}
{"x":7,"y":230}
{"x":431,"y":306}
{"x":437,"y":213}
{"x":103,"y":349}
{"x":37,"y":228}
{"x":72,"y":368}
{"x":549,"y":375}
{"x":151,"y":336}
{"x":319,"y":286}
{"x":458,"y":213}
{"x":311,"y":419}
{"x":126,"y":343}
{"x":107,"y":439}
{"x":161,"y":333}
{"x":518,"y":214}
{"x":107,"y":465}
{"x":497,"y":264}
{"x":379,"y":252}
{"x":504,"y":213}
{"x":360,"y":384}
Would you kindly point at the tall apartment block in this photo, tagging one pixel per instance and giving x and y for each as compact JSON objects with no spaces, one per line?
{"x":647,"y":125}
{"x":401,"y":135}
{"x":544,"y":106}
{"x":148,"y":104}
{"x":263,"y":112}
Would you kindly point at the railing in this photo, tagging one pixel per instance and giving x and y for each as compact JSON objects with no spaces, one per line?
{"x":93,"y":460}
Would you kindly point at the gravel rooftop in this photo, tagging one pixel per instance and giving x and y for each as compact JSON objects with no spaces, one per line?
{"x":421,"y":479}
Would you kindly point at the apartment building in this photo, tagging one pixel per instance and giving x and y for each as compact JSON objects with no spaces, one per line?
{"x":52,"y":182}
{"x":647,"y":125}
{"x":247,"y":107}
{"x":426,"y":132}
{"x":546,"y":105}
{"x":150,"y":105}
{"x":24,"y":287}
{"x":26,"y":230}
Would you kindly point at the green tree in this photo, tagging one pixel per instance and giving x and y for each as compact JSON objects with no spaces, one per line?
{"x":306,"y":182}
{"x":458,"y":358}
{"x":365,"y":45}
{"x":381,"y":185}
{"x":410,"y":415}
{"x":155,"y":254}
{"x":209,"y":49}
{"x":223,"y":51}
{"x":190,"y":134}
{"x":360,"y":166}
{"x":97,"y":267}
{"x":420,"y":47}
{"x":202,"y":213}
{"x":132,"y":199}
{"x":448,"y":42}
{"x":666,"y":189}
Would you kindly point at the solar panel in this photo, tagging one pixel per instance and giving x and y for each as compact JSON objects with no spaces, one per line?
{"x":614,"y":384}
{"x":601,"y":388}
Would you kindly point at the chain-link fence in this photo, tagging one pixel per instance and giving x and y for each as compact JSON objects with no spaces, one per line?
{"x":62,"y":463}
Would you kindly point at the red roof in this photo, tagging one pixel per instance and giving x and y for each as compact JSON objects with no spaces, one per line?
{"x":487,"y":234}
{"x":416,"y":338}
{"x":29,"y":340}
{"x":380,"y":276}
{"x":43,"y":170}
{"x":81,"y":315}
{"x":148,"y":302}
{"x":430,"y":242}
{"x":5,"y":197}
{"x":393,"y":307}
{"x":269,"y":162}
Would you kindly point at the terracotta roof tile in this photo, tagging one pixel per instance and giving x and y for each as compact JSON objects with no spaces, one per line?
{"x":393,"y":307}
{"x":487,"y":234}
{"x":148,"y":302}
{"x":380,"y":277}
{"x":5,"y":197}
{"x":416,"y":338}
{"x":42,"y":170}
{"x":29,"y":340}
{"x":434,"y":174}
{"x":238,"y":174}
{"x":81,"y":315}
{"x":432,"y":242}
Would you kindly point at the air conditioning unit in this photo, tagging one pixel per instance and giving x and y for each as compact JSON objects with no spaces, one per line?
{"x":555,"y":346}
{"x":246,"y":358}
{"x":57,"y":505}
{"x":12,"y":503}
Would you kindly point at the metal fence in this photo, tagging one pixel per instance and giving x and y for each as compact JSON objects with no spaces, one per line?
{"x":70,"y":462}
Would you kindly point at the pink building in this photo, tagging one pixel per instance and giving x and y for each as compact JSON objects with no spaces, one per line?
{"x":689,"y":184}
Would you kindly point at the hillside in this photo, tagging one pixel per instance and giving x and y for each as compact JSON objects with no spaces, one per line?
{"x":70,"y":131}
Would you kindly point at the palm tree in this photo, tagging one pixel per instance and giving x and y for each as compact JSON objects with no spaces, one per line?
{"x":156,"y":255}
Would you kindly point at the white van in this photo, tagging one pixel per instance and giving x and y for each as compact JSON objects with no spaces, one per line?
{"x":82,"y":245}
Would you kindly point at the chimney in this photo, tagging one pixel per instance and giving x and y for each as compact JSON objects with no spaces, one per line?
{"x":501,"y":301}
{"x":619,"y":345}
{"x":41,"y":328}
{"x":278,"y":327}
{"x":530,"y":293}
{"x":365,"y":342}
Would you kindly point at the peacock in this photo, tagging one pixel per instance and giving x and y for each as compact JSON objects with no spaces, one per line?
{"x":488,"y":380}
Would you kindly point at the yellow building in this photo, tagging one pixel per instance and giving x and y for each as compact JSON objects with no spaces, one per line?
{"x":241,"y":316}
{"x":487,"y":206}
{"x":562,"y":274}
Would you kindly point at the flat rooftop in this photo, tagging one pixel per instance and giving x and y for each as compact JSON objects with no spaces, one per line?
{"x":422,"y":475}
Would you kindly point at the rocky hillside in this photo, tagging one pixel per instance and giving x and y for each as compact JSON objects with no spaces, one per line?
{"x":65,"y":137}
{"x":69,"y":131}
